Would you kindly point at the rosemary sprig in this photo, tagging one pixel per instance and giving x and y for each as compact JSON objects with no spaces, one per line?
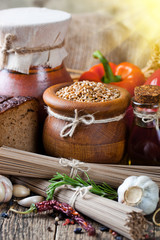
{"x":58,"y":180}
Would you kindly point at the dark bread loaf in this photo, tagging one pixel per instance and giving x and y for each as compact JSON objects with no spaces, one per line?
{"x":19,"y":122}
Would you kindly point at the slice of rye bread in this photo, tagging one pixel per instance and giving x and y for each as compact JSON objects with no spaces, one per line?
{"x":19,"y":122}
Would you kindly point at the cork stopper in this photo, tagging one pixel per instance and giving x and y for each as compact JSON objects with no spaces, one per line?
{"x":147,"y":94}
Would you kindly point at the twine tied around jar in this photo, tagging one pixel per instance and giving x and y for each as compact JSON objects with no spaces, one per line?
{"x":87,"y":119}
{"x":75,"y":166}
{"x":9,"y":38}
{"x":7,"y":49}
{"x":147,"y":118}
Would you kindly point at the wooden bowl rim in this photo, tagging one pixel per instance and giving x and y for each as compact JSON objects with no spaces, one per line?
{"x":55,"y":102}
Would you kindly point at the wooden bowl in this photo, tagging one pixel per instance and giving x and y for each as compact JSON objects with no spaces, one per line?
{"x":96,"y":143}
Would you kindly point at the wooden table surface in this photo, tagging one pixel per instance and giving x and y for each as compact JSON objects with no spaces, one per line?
{"x":42,"y":226}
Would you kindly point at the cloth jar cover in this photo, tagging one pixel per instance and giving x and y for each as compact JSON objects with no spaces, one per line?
{"x":33,"y":28}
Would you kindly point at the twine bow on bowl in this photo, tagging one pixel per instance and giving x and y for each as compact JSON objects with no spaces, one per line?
{"x":86,"y":119}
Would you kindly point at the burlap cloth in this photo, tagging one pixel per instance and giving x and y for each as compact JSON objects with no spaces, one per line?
{"x":94,"y":31}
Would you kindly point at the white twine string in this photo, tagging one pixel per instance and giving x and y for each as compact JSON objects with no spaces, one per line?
{"x":7,"y":49}
{"x":87,"y":119}
{"x":146,"y":118}
{"x":82,"y":191}
{"x":75,"y":166}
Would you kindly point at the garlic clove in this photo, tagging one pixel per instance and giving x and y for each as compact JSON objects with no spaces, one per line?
{"x":2,"y":192}
{"x":8,"y":194}
{"x":147,"y":205}
{"x":7,"y":188}
{"x":20,"y":191}
{"x":133,"y":196}
{"x":6,"y":181}
{"x":143,"y":181}
{"x":26,"y":202}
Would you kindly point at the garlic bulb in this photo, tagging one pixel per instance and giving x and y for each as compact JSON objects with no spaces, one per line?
{"x":6,"y":189}
{"x":140,"y":192}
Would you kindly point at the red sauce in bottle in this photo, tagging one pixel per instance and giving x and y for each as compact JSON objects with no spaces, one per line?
{"x":144,"y":140}
{"x":144,"y":146}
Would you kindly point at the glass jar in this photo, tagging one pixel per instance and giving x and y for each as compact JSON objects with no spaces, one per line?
{"x":144,"y":140}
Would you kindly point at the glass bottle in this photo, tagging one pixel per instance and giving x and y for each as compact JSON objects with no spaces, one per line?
{"x":144,"y":140}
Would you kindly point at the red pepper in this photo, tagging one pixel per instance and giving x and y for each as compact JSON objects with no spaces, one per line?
{"x":154,"y":79}
{"x":125,"y":75}
{"x":96,"y":72}
{"x":63,"y":208}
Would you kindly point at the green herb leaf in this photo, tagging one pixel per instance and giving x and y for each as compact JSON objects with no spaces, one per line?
{"x":58,"y":180}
